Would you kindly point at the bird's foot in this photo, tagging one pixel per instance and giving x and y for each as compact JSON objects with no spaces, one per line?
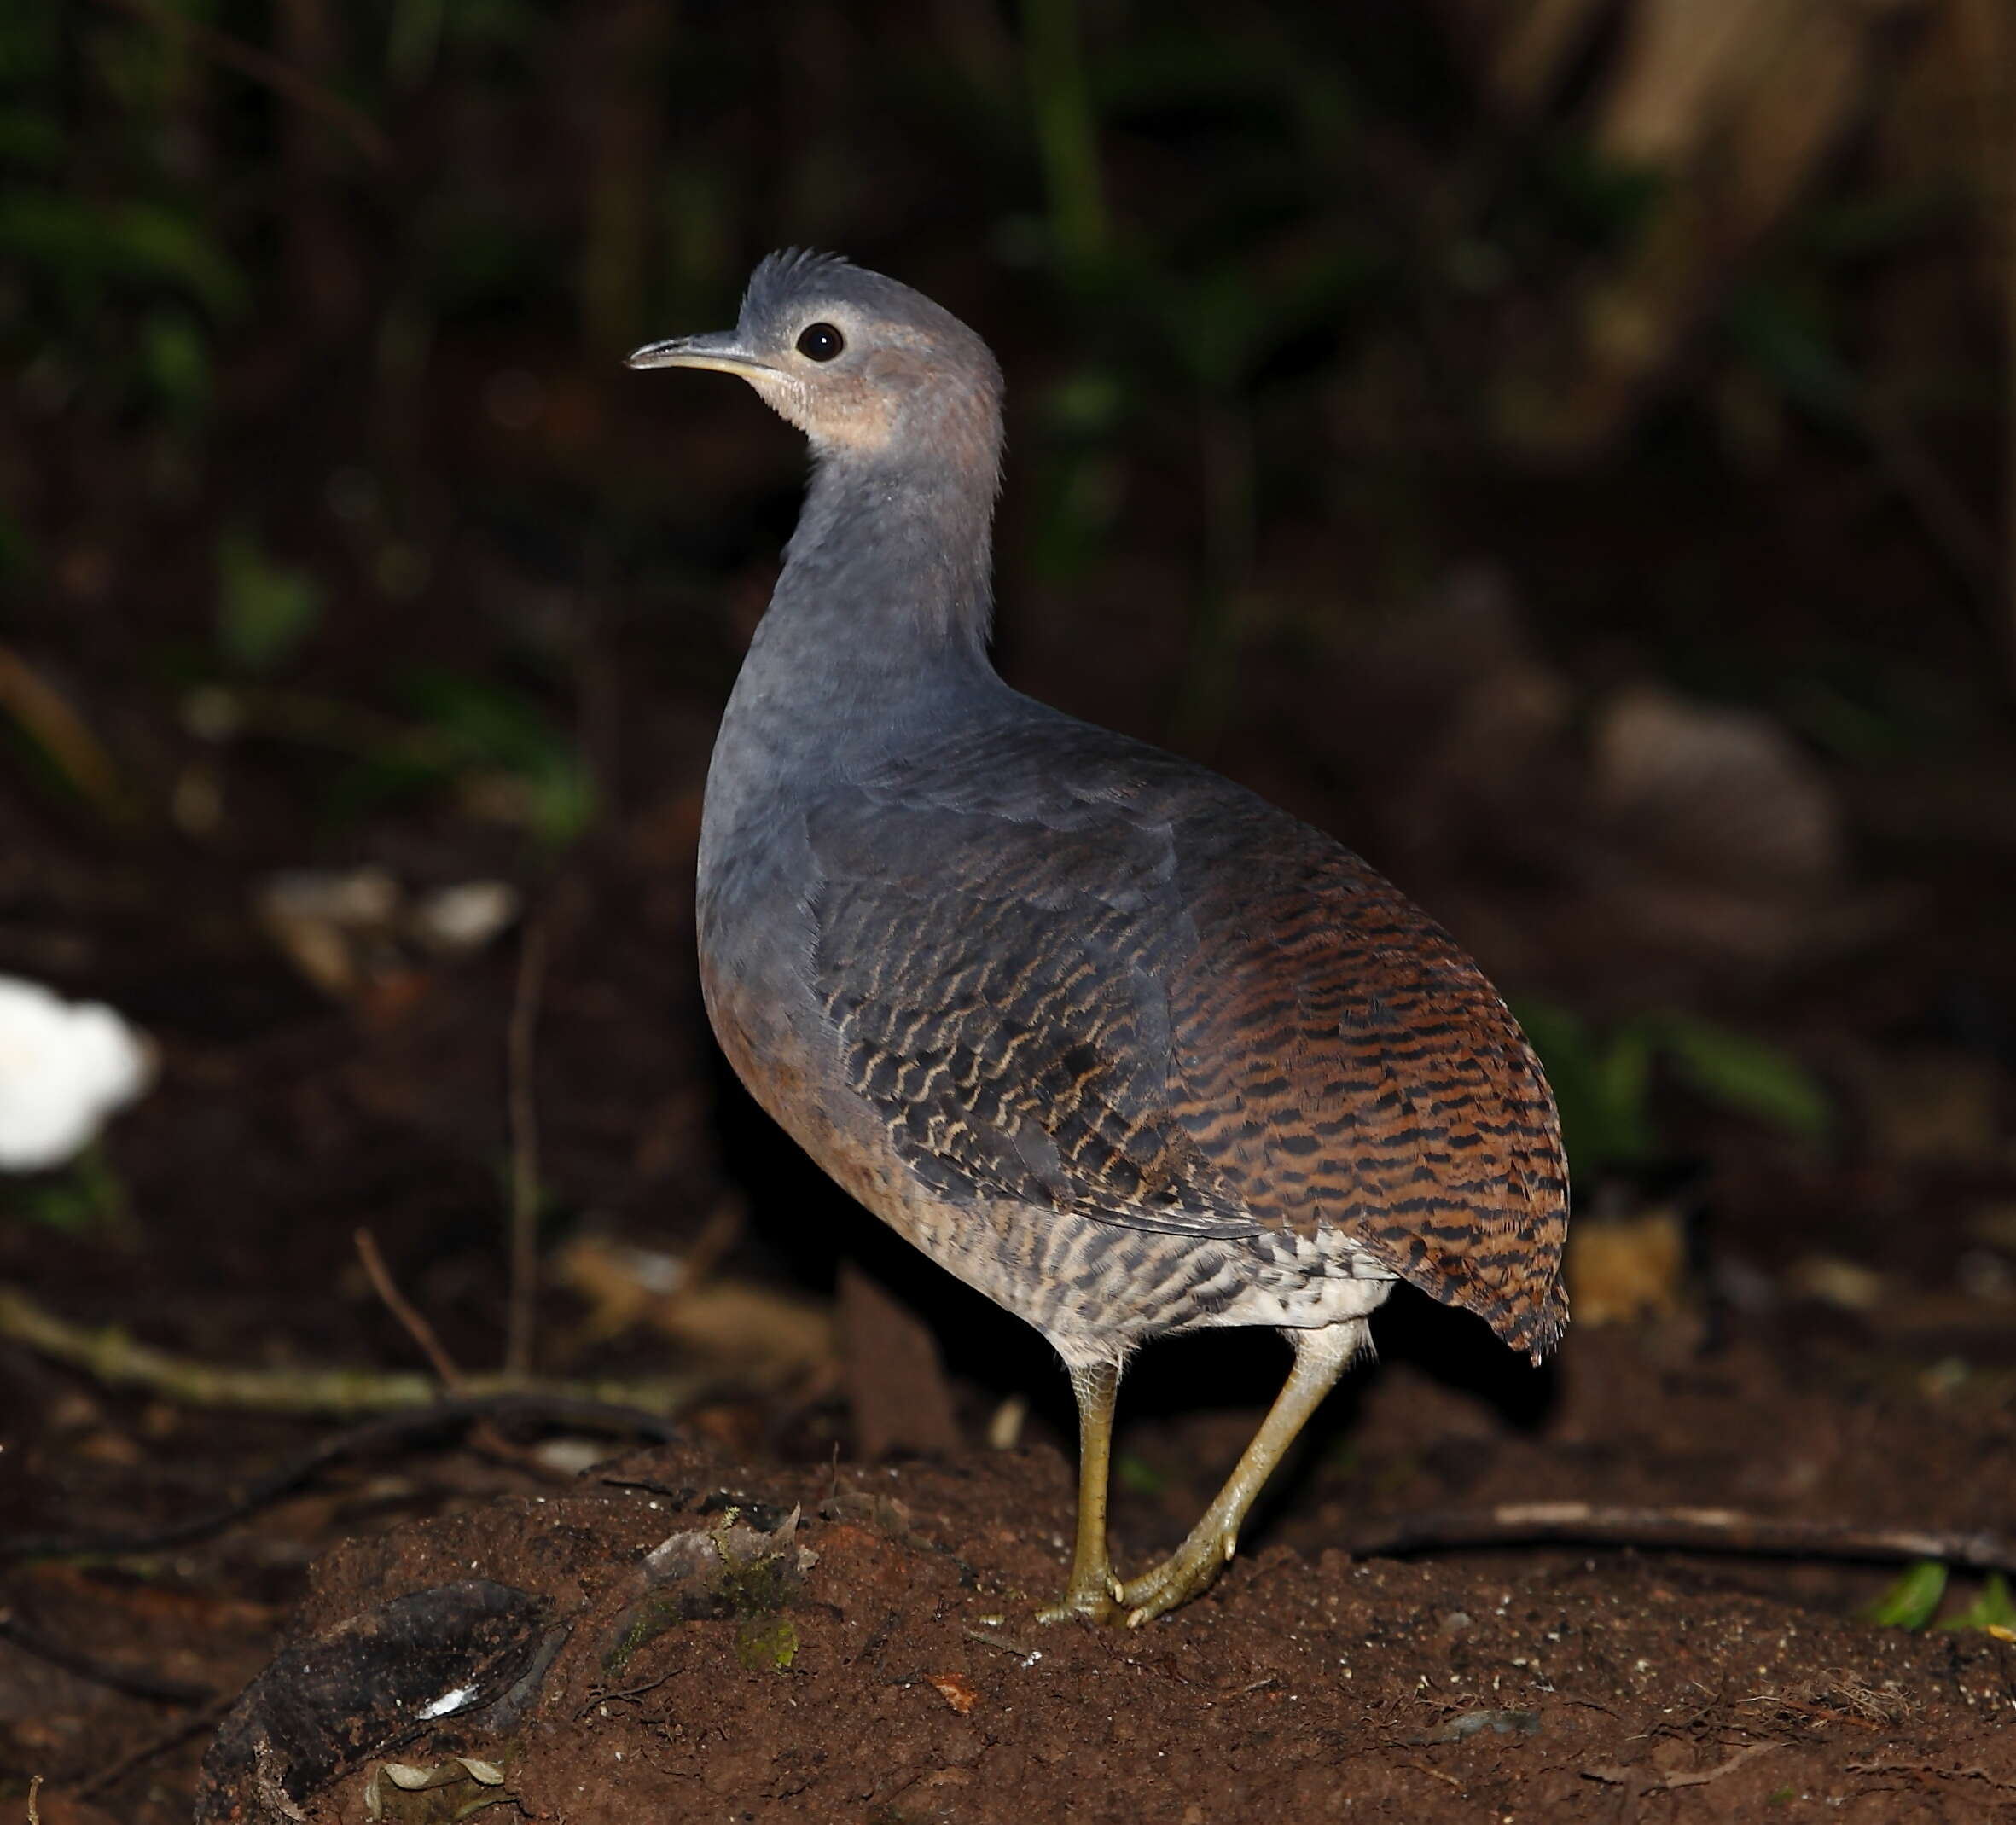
{"x":1093,"y":1599}
{"x":1189,"y":1571}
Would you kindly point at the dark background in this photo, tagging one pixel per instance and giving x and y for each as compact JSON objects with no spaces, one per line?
{"x":1565,"y":450}
{"x":1559,"y":450}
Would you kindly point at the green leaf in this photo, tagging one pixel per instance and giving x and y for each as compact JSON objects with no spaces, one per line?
{"x":483,"y":722}
{"x":29,"y":141}
{"x":1607,"y":201}
{"x":1745,"y":1074}
{"x":1138,"y":1476}
{"x":1602,"y":1088}
{"x":86,"y":1197}
{"x":17,"y":549}
{"x":562,"y":800}
{"x":161,"y":243}
{"x":1087,"y":403}
{"x":486,"y":733}
{"x":1624,"y":1078}
{"x":1992,"y":1609}
{"x":79,"y":248}
{"x":766,"y":1644}
{"x":1784,"y":338}
{"x":1912,"y":1601}
{"x":176,"y":362}
{"x":264,"y":610}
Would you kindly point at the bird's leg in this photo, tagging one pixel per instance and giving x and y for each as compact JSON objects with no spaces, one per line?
{"x":1093,"y":1587}
{"x":1321,"y":1356}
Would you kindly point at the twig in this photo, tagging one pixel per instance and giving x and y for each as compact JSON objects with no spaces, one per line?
{"x":1958,"y":537}
{"x":1004,"y":1644}
{"x":268,"y":71}
{"x":129,"y":1680}
{"x":1674,"y":1529}
{"x":484,"y":1437}
{"x":2006,"y":170}
{"x":1652,"y":1783}
{"x":112,"y":1357}
{"x":52,"y":722}
{"x":596,"y":1695}
{"x":1973,"y":1771}
{"x":197,"y":1721}
{"x":1989,"y":44}
{"x":34,"y":1811}
{"x":524,"y":1154}
{"x":718,"y":1234}
{"x":1825,"y":1713}
{"x":401,"y":1430}
{"x":395,"y":1302}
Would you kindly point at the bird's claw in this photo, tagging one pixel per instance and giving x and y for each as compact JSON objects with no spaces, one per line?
{"x":1095,"y":1599}
{"x":1187,"y":1572}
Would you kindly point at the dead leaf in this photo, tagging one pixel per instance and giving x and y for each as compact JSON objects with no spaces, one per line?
{"x":954,"y":1691}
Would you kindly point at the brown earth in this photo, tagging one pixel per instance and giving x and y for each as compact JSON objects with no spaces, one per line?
{"x":909,"y":1683}
{"x":900,"y":1675}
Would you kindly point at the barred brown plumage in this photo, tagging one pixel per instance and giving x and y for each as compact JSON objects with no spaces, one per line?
{"x":1113,"y":1039}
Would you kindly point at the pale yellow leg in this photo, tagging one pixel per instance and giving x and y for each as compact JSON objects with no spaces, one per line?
{"x":1093,"y":1587}
{"x":1321,"y":1356}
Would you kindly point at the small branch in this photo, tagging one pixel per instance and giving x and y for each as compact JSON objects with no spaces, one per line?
{"x":417,"y":1328}
{"x":110,"y":1356}
{"x":524,"y":1154}
{"x":485,"y":1438}
{"x":1673,"y":1529}
{"x":129,"y":1680}
{"x":1973,"y":1771}
{"x":401,"y":1432}
{"x":2005,"y":166}
{"x":1959,"y":539}
{"x":1065,"y":129}
{"x":268,"y":71}
{"x":197,"y":1721}
{"x":1989,"y":45}
{"x":52,"y":722}
{"x":2004,"y":179}
{"x":1655,"y":1783}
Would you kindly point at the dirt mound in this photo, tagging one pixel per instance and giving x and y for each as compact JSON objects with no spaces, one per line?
{"x":707,"y":1641}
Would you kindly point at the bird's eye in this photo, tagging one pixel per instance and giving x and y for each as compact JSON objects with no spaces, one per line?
{"x":821,"y":342}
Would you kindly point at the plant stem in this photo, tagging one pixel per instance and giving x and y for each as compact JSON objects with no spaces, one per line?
{"x":1066,"y":134}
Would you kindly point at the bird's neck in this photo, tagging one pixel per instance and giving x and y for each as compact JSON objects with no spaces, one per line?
{"x":887,"y":580}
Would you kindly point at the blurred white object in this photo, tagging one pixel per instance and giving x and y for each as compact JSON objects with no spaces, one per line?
{"x":64,"y":1067}
{"x":465,"y":917}
{"x":347,"y":931}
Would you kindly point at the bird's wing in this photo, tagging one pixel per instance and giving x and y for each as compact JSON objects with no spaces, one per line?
{"x":994,"y":987}
{"x":1167,"y":1005}
{"x":1346,"y":1064}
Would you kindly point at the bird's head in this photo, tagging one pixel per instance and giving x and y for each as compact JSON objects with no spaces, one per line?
{"x":868,"y":370}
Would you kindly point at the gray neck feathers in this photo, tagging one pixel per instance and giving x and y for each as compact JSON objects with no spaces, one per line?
{"x":886,"y":589}
{"x":896,"y":556}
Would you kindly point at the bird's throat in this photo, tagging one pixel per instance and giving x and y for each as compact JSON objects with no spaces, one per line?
{"x":887,"y":580}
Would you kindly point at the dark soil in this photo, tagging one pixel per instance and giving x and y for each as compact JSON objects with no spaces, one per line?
{"x":907,"y":1681}
{"x":905,"y":1678}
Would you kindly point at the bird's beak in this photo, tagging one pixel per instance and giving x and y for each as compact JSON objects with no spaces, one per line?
{"x":720,"y":351}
